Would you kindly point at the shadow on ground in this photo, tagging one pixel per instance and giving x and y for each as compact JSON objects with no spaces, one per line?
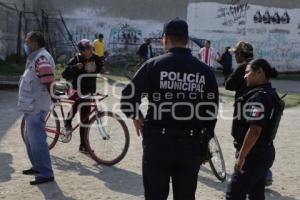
{"x":116,"y":179}
{"x":52,"y":191}
{"x":5,"y":169}
{"x":271,"y":194}
{"x":211,"y":181}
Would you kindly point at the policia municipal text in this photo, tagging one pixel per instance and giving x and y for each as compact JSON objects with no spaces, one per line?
{"x":173,"y":149}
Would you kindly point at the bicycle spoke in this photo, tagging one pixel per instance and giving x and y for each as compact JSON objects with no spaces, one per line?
{"x":111,"y":150}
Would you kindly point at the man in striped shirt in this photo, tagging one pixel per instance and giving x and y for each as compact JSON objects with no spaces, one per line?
{"x":34,"y":100}
{"x":207,"y":54}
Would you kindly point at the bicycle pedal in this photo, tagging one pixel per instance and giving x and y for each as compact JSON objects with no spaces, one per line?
{"x":65,"y":137}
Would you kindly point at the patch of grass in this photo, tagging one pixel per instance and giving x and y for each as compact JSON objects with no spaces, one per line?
{"x":7,"y":68}
{"x":291,"y":100}
{"x":226,"y":93}
{"x":116,"y":71}
{"x":116,"y":78}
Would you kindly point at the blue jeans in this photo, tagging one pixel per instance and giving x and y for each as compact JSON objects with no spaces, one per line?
{"x":36,"y":143}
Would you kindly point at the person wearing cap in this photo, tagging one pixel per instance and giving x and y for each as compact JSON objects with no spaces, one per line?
{"x":261,"y":110}
{"x":207,"y":54}
{"x":81,"y":72}
{"x":99,"y":45}
{"x":243,"y":55}
{"x":236,"y":82}
{"x":182,"y":112}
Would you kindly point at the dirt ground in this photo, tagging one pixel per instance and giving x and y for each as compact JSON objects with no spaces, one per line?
{"x":79,"y":177}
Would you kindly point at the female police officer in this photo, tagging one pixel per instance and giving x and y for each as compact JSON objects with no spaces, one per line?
{"x":261,"y":110}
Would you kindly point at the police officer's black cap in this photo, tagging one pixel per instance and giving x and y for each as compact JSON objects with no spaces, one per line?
{"x":176,"y":27}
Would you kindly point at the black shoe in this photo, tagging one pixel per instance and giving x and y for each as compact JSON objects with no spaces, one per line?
{"x":268,"y":183}
{"x":39,"y":180}
{"x":30,"y":172}
{"x":84,"y":150}
{"x":68,"y":125}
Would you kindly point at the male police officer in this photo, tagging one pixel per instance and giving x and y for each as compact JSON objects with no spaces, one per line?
{"x":183,"y":104}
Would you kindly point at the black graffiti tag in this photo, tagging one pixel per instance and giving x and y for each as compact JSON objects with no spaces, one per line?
{"x":268,"y":19}
{"x":233,"y":14}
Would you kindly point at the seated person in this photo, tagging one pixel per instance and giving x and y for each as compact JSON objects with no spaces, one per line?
{"x":85,"y":63}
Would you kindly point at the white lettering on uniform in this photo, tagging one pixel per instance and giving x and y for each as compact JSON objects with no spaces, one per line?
{"x":172,"y":76}
{"x":163,"y":74}
{"x":190,"y":77}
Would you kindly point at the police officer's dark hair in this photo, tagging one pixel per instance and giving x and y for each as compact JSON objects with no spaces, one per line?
{"x":208,"y":41}
{"x":38,"y":37}
{"x":246,"y":55}
{"x":269,"y":71}
{"x":178,"y":39}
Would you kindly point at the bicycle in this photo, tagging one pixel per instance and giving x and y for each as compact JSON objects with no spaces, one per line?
{"x":216,"y":161}
{"x":98,"y":132}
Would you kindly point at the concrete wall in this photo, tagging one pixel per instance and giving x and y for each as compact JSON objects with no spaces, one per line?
{"x":126,"y":23}
{"x":273,"y":32}
{"x":158,"y":10}
{"x":8,"y":27}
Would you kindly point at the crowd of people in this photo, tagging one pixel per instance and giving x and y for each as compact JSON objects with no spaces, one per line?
{"x":175,"y":142}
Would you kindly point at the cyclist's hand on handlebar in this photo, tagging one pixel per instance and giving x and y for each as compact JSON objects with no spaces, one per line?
{"x":54,"y":100}
{"x":139,"y":124}
{"x":79,"y":65}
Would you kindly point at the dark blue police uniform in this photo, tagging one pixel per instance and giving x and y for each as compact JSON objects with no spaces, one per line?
{"x":262,"y":107}
{"x":182,"y":94}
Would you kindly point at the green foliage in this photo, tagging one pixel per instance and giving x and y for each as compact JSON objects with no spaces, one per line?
{"x":291,"y":100}
{"x":7,"y":68}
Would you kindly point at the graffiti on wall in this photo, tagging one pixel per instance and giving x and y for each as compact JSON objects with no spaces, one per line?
{"x":233,"y":14}
{"x":121,"y":36}
{"x":125,"y":34}
{"x":273,"y":32}
{"x":267,"y":18}
{"x":124,"y":37}
{"x":233,"y":2}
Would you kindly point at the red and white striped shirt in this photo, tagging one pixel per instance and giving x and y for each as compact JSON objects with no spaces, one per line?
{"x":44,"y":70}
{"x":207,"y":55}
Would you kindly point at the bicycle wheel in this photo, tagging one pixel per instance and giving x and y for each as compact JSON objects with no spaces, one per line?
{"x":110,"y":147}
{"x":216,"y":162}
{"x":52,"y":126}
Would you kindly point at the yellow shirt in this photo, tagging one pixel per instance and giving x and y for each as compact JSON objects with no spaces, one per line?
{"x":99,"y":47}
